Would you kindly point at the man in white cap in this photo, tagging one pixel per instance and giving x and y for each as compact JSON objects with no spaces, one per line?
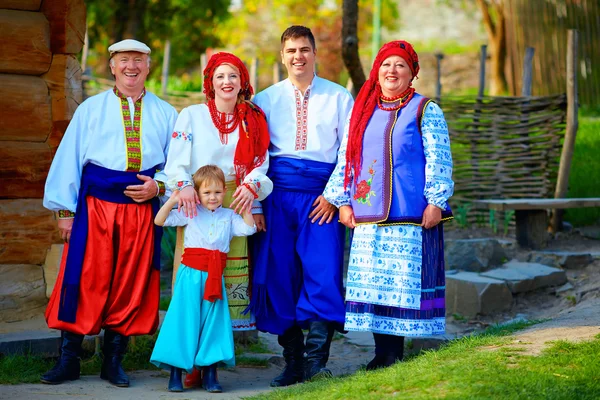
{"x":104,"y":184}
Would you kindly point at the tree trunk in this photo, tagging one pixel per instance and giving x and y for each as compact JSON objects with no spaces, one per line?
{"x":350,"y":44}
{"x":496,"y":32}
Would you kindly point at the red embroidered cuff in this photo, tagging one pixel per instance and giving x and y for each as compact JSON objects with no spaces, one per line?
{"x":65,"y":214}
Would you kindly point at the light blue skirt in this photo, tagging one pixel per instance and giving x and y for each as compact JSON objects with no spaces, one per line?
{"x":195,"y":332}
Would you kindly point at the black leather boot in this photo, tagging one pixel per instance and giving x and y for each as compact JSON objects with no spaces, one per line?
{"x":210,"y":383}
{"x":67,"y":367}
{"x":386,"y":351}
{"x":175,"y":384}
{"x":318,"y":343}
{"x":115,"y":346}
{"x":292,"y":342}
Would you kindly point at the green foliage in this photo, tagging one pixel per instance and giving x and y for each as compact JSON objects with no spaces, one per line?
{"x":188,"y":24}
{"x":164,"y":303}
{"x":585,"y":171}
{"x":460,"y":214}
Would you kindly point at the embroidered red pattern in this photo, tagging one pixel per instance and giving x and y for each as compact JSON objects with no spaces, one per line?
{"x":133,"y":135}
{"x":301,"y":119}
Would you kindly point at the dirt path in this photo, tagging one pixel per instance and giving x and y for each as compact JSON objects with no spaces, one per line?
{"x":576,"y":324}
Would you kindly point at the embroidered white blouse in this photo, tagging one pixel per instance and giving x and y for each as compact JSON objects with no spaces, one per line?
{"x":211,"y":230}
{"x":96,"y":135}
{"x":309,"y":126}
{"x":195,"y":142}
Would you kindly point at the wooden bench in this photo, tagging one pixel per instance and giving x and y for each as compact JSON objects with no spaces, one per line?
{"x":532,"y":217}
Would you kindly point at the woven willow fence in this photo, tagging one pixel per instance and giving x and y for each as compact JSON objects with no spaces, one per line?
{"x":503,"y":147}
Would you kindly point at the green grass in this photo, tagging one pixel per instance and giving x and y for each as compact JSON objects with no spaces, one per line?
{"x":164,"y":303}
{"x":251,"y":362}
{"x":584,"y":178}
{"x":488,"y":366}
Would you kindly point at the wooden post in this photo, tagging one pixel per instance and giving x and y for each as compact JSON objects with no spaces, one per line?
{"x":482,"y":60}
{"x":164,"y":80}
{"x":562,"y":182}
{"x":277,"y":73}
{"x":202,"y":65}
{"x":254,"y":74}
{"x":84,"y":53}
{"x":527,"y":72}
{"x":438,"y":81}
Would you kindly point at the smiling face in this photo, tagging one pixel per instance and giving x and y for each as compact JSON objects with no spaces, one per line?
{"x":298,"y":56}
{"x":211,"y":194}
{"x":130,"y":69}
{"x":226,"y":82}
{"x":394,"y":76}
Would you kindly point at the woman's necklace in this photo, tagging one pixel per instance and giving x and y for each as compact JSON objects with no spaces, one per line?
{"x":225,"y":123}
{"x":397,"y":101}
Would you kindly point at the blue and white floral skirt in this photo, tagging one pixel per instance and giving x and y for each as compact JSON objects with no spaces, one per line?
{"x":396,"y":282}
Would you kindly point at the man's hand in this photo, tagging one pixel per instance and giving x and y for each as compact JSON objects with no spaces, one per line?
{"x":322,"y":209}
{"x":144,"y":192}
{"x":188,"y":199}
{"x":347,"y":216}
{"x":431,"y":216}
{"x":259,"y":220}
{"x":64,"y":227}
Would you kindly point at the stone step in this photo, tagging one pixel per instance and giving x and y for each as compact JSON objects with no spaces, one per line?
{"x":525,"y":277}
{"x":469,"y":294}
{"x":564,"y":259}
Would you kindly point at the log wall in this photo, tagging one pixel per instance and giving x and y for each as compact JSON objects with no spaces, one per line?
{"x":40,"y":88}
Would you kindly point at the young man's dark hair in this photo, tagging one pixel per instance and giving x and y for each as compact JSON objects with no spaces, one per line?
{"x":298,"y":31}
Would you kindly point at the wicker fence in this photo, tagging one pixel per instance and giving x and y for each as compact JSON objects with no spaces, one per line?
{"x":503,"y":147}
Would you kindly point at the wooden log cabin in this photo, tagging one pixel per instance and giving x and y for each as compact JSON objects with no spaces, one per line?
{"x":40,"y":88}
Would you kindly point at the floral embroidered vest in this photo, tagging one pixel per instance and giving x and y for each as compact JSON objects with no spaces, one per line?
{"x":390,"y":187}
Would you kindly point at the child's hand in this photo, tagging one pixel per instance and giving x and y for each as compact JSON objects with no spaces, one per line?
{"x":174,"y":195}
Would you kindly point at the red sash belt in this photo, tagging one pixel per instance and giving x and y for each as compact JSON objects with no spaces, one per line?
{"x":211,"y":261}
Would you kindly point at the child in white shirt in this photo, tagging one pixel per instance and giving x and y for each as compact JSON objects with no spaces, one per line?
{"x":197,"y":327}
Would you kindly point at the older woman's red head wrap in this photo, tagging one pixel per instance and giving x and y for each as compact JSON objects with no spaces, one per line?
{"x":366,"y":101}
{"x":253,"y":143}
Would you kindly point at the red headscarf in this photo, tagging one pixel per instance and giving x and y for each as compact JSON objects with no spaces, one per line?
{"x":254,"y":138}
{"x":366,"y":101}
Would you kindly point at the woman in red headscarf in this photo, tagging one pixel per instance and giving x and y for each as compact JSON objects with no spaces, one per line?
{"x":391,"y":185}
{"x":231,"y":132}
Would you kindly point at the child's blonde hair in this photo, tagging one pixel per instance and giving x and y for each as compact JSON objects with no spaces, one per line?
{"x":208,"y":174}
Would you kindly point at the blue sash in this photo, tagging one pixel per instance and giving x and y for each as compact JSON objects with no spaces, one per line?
{"x":295,"y":175}
{"x":108,"y":185}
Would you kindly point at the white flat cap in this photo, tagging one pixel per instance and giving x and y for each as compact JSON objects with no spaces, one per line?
{"x":128,"y":45}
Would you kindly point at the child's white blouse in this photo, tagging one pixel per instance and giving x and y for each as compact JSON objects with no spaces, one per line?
{"x":210,"y":230}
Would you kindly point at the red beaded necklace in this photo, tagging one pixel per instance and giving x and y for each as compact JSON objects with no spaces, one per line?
{"x":402,"y":99}
{"x":224,"y":125}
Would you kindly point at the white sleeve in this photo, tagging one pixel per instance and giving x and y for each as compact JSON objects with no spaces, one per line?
{"x":334,"y":190}
{"x":172,"y":118}
{"x":439,"y":185}
{"x":64,"y":178}
{"x":179,"y":156}
{"x":176,"y":218}
{"x":239,"y":227}
{"x":346,"y":103}
{"x":258,"y":176}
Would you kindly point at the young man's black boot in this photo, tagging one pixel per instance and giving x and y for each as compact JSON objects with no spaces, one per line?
{"x":318,"y":343}
{"x":292,"y":342}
